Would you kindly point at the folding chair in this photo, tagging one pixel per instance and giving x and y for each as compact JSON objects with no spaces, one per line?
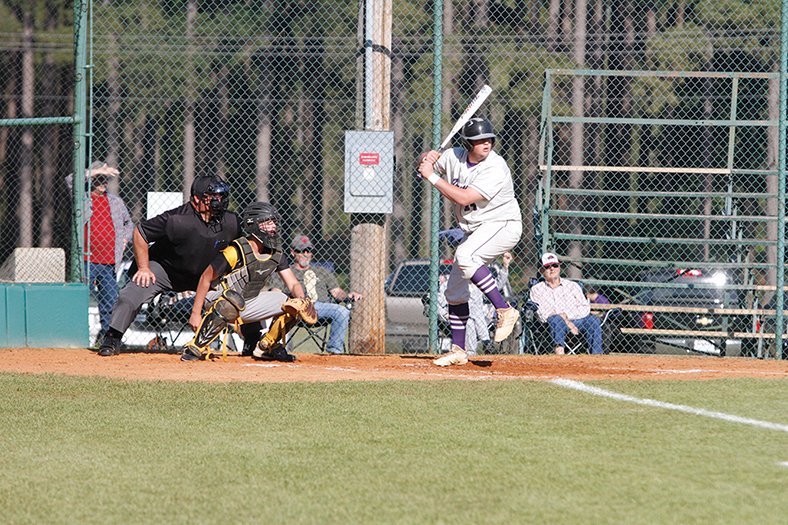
{"x":317,"y":333}
{"x":168,"y":315}
{"x":167,"y":321}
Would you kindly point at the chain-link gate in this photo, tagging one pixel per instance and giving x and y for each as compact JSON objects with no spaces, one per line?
{"x":261,"y":93}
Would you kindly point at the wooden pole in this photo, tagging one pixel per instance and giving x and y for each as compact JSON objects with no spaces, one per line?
{"x":368,"y":235}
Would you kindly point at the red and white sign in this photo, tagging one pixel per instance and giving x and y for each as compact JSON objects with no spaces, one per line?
{"x":369,"y":159}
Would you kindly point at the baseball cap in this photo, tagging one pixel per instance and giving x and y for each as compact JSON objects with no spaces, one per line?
{"x":301,"y":242}
{"x":549,"y":258}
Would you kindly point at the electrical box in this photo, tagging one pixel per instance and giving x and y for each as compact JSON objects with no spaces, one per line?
{"x":369,"y":171}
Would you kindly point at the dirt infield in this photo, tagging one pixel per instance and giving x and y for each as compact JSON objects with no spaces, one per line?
{"x":317,"y":368}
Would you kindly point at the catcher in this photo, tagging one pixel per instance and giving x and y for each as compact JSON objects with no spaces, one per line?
{"x":238,"y":275}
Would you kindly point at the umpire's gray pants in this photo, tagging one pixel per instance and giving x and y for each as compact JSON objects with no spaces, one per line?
{"x":133,"y":296}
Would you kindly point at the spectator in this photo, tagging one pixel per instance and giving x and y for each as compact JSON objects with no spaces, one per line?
{"x":242,"y":270}
{"x":321,"y":287}
{"x":595,"y":297}
{"x":479,"y":184}
{"x":171,"y":251}
{"x":108,"y":229}
{"x":562,"y":305}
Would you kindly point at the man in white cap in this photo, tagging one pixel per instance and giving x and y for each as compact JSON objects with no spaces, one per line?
{"x":564,"y":307}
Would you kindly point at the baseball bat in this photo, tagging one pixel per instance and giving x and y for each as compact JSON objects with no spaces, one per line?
{"x":472,"y":108}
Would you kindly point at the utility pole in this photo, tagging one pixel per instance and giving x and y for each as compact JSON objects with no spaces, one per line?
{"x":369,"y":250}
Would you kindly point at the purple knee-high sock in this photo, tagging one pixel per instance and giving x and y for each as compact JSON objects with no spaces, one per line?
{"x":484,"y":280}
{"x":458,"y":318}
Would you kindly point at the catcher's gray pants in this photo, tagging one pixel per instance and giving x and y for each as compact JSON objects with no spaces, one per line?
{"x":133,"y":296}
{"x":264,"y":306}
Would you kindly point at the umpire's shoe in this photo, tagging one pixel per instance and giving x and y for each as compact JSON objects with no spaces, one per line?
{"x":109,"y":346}
{"x":251,"y":335}
{"x":266,"y":352}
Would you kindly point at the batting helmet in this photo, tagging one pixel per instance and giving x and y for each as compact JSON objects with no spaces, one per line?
{"x":476,"y":129}
{"x":211,"y":186}
{"x":254,"y":217}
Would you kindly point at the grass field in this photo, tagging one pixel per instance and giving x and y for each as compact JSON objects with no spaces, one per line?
{"x":89,"y":450}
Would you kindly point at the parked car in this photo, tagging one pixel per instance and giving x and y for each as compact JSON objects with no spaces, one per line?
{"x":405,"y":289}
{"x":692,"y":288}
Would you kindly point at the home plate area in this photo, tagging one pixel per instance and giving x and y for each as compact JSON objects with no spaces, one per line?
{"x":316,"y":367}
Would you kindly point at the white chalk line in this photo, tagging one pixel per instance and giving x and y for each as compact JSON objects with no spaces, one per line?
{"x":577,"y":385}
{"x":693,"y":371}
{"x":782,"y":463}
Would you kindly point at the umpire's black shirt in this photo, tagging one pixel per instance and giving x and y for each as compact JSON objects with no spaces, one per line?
{"x":184,"y":244}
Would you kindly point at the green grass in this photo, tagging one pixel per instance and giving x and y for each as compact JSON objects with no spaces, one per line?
{"x":100,"y":451}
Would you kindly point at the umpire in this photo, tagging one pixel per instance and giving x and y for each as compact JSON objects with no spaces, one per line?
{"x":171,"y":251}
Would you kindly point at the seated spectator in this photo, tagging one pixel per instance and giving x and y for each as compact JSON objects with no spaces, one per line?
{"x":562,"y":305}
{"x":321,"y":286}
{"x":595,"y":297}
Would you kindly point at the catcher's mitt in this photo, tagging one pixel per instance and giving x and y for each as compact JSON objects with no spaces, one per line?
{"x":302,"y":309}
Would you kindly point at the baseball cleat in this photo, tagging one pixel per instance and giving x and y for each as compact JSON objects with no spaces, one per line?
{"x":188,"y":356}
{"x":277,"y":352}
{"x":507,"y":318}
{"x":109,"y":346}
{"x":457,"y":356}
{"x":191,"y":353}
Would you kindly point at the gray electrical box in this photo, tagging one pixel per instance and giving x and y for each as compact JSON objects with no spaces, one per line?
{"x":369,"y":171}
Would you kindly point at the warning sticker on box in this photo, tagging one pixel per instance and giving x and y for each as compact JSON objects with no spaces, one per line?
{"x":369,"y":159}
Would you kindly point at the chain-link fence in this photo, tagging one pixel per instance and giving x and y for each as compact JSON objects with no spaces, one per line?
{"x":665,"y":202}
{"x":261,"y":92}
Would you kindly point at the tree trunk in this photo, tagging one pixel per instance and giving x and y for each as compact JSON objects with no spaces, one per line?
{"x":315,"y":118}
{"x":397,"y":222}
{"x":52,"y":142}
{"x":113,"y":109}
{"x":189,"y":135}
{"x":24,"y":209}
{"x":577,"y":146}
{"x":220,"y":140}
{"x":553,"y":26}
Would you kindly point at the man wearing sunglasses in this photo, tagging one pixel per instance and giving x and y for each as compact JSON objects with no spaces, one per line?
{"x":564,"y":307}
{"x":322,"y":288}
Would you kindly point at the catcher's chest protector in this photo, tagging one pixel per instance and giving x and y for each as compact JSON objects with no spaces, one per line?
{"x":250,"y":273}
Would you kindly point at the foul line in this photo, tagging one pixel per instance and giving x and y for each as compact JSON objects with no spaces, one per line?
{"x":577,"y":385}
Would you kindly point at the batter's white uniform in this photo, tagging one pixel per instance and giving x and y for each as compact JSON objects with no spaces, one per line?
{"x":492,"y":226}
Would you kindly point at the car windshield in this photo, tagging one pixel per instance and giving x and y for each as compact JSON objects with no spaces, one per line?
{"x":415,"y":278}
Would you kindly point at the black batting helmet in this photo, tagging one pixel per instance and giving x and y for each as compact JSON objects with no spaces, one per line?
{"x":218,"y":191}
{"x":253,"y":218}
{"x":476,"y":129}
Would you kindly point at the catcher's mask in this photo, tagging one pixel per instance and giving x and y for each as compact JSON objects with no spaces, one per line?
{"x":255,"y":217}
{"x":476,"y":129}
{"x":216,"y":191}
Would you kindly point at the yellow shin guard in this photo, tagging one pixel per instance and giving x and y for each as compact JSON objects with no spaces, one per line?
{"x":279,"y":328}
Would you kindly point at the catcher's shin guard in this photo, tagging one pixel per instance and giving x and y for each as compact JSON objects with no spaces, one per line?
{"x":279,"y":327}
{"x":224,"y":310}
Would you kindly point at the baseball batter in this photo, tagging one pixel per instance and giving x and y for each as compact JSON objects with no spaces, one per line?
{"x":486,"y":210}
